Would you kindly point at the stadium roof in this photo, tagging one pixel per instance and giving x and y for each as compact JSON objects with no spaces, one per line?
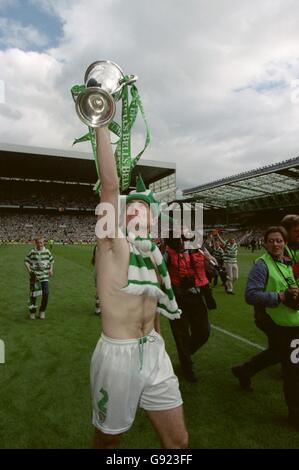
{"x":269,"y":186}
{"x":24,"y":162}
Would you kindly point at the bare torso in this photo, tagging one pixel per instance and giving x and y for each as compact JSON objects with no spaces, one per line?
{"x":124,"y":316}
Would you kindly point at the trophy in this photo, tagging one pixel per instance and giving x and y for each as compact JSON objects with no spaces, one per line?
{"x":103,"y":84}
{"x":95,"y":101}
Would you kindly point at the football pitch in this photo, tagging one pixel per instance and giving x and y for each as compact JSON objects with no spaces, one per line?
{"x":44,"y":382}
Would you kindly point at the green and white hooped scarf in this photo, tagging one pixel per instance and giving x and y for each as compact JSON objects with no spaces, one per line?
{"x":36,"y":289}
{"x":142,"y":277}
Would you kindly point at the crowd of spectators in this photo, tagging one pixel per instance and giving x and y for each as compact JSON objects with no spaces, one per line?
{"x":43,"y":194}
{"x":69,"y":228}
{"x":60,"y":228}
{"x":64,"y":228}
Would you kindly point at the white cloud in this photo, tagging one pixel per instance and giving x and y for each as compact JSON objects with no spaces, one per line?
{"x":14,"y":34}
{"x":215,"y":78}
{"x":32,"y":96}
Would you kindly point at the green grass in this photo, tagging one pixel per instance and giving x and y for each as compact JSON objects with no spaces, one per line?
{"x":44,"y":384}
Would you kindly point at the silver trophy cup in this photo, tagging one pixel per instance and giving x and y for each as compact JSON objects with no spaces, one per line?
{"x":104,"y":81}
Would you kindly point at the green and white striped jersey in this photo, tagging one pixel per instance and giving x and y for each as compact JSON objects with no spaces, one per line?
{"x":230,"y":253}
{"x":218,"y":253}
{"x":40,"y":263}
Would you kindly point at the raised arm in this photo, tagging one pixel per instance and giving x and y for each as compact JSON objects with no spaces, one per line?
{"x":208,"y":255}
{"x":107,"y":166}
{"x":221,"y":239}
{"x":108,"y":175}
{"x":246,"y":235}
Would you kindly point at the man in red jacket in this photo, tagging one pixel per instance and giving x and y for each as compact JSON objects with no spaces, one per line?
{"x":189,"y":281}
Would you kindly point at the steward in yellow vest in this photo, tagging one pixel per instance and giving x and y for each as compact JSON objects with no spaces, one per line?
{"x":273,"y":291}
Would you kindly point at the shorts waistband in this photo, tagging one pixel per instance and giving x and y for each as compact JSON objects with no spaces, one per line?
{"x":151,"y":336}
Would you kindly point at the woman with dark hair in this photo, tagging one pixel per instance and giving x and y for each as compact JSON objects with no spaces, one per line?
{"x":189,"y":281}
{"x":274,"y":293}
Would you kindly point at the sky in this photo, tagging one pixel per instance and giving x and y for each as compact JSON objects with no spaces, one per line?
{"x":219,"y":79}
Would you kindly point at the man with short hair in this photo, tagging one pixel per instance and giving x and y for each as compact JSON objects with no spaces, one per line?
{"x":39,"y":264}
{"x":130,"y":366}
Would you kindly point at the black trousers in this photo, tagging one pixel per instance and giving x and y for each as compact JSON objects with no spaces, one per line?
{"x":269,"y":356}
{"x":289,"y":356}
{"x":45,"y":297}
{"x":192,"y":329}
{"x":284,"y":348}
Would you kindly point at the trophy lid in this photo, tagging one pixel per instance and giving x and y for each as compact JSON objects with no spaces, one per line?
{"x":107,"y":74}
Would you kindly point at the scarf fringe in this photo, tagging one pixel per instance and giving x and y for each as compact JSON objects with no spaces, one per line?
{"x":171,"y":316}
{"x":139,"y":289}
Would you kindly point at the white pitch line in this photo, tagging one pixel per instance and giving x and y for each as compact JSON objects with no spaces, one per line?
{"x":228,"y":333}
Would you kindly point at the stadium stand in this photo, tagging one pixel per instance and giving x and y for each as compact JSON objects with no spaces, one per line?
{"x":51,"y":191}
{"x":253,"y":199}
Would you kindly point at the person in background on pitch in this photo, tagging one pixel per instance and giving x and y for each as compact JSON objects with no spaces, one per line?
{"x":50,"y":244}
{"x":39,"y":264}
{"x":218,"y":253}
{"x":230,"y":261}
{"x":291,"y":224}
{"x":274,"y":293}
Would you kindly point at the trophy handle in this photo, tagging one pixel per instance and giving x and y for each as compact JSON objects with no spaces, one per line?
{"x":129,"y":80}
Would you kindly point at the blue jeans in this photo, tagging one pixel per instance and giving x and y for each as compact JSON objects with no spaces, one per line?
{"x":45,"y":296}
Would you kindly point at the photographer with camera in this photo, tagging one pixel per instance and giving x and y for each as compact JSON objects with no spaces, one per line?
{"x":274,"y":293}
{"x":189,"y":281}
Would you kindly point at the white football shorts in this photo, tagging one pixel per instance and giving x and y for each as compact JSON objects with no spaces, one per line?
{"x":127,"y":374}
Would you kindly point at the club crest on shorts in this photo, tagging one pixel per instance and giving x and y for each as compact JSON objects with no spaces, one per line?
{"x":102,"y":413}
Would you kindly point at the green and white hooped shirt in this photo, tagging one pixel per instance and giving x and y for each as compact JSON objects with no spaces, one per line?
{"x":40,"y":263}
{"x":230,"y":253}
